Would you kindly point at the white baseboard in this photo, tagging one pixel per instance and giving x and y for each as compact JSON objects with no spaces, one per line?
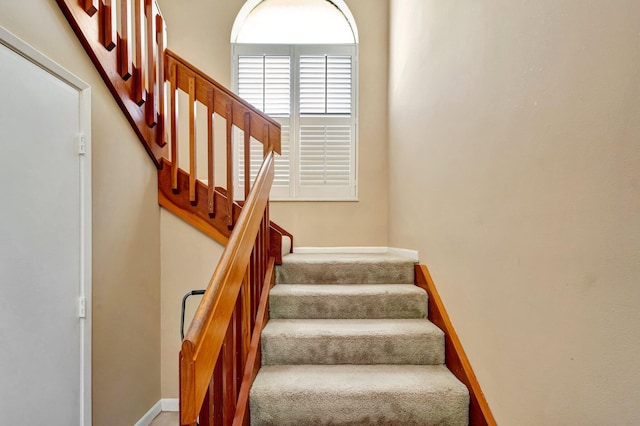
{"x":167,"y":404}
{"x":170,"y":404}
{"x":411,"y":254}
{"x":150,"y":415}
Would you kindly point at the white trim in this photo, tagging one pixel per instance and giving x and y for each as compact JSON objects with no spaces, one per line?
{"x":170,"y":404}
{"x":39,"y":59}
{"x":408,"y":253}
{"x":165,"y":404}
{"x":150,"y":415}
{"x":252,"y":4}
{"x":9,"y":40}
{"x":411,"y":254}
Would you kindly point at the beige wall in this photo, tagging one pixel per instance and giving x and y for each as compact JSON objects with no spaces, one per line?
{"x":188,"y":261}
{"x":201,"y":32}
{"x":126,"y":221}
{"x":515,"y":171}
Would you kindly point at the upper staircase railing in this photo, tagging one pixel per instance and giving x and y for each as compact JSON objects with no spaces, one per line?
{"x":126,"y":40}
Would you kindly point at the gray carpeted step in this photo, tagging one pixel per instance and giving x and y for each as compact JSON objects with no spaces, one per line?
{"x":365,"y":301}
{"x":314,"y":395}
{"x":348,"y":268}
{"x":352,"y":341}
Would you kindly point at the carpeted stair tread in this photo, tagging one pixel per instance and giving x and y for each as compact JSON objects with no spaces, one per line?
{"x":313,"y":395}
{"x":345,"y":268}
{"x":401,"y":301}
{"x":352,"y":341}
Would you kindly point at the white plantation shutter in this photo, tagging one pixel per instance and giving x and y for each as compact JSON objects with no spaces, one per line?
{"x":325,"y":85}
{"x":310,"y":90}
{"x":325,"y":154}
{"x":326,"y":128}
{"x":265,"y":82}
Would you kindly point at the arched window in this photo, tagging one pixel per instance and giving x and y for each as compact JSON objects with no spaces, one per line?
{"x":296,"y":60}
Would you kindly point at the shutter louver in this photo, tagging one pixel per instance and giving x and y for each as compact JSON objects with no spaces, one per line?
{"x":325,"y":85}
{"x":325,"y":154}
{"x":265,"y":82}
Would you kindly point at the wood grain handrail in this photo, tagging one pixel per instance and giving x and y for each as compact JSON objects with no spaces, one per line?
{"x":204,"y":339}
{"x":455,"y":356}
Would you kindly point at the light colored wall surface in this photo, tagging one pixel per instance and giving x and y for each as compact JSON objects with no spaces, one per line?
{"x":515,"y":171}
{"x":126,"y":221}
{"x":202,"y":38}
{"x":188,"y":261}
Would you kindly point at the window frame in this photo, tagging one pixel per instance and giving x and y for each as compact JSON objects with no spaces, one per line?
{"x":295,"y":191}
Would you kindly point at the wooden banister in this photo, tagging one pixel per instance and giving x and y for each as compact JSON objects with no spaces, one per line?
{"x":220,"y":354}
{"x":204,"y":340}
{"x":95,"y":25}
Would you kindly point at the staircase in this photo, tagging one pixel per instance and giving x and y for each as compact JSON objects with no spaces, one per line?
{"x":349,"y":343}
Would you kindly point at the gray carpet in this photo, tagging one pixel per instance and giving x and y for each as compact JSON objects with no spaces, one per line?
{"x":348,"y":343}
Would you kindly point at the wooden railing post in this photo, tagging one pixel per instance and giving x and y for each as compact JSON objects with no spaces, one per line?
{"x":139,"y":73}
{"x":192,"y":140}
{"x":211,"y":187}
{"x":107,"y":14}
{"x":173,"y":118}
{"x":229,"y":117}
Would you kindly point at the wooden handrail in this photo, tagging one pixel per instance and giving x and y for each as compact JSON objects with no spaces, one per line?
{"x":455,"y":356}
{"x":208,"y":332}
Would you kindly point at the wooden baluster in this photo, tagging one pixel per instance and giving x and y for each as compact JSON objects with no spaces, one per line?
{"x":266,"y":144}
{"x":254,"y":302}
{"x":125,"y":65}
{"x":229,"y":111}
{"x":218,"y":389}
{"x":151,"y":111}
{"x":263,"y":257}
{"x":161,"y":37}
{"x":242,"y":330}
{"x":108,"y":24}
{"x":139,"y":74}
{"x":247,"y":154}
{"x":211,"y":196}
{"x":229,"y":373}
{"x":265,"y":244}
{"x":206,"y":417}
{"x":173,"y":114}
{"x":90,"y":6}
{"x":192,"y":140}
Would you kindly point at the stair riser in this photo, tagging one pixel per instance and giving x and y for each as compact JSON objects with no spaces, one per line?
{"x":412,"y":349}
{"x":360,"y":410}
{"x":347,"y":273}
{"x":401,"y":306}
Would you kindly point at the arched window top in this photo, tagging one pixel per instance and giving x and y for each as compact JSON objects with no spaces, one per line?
{"x":294,"y":22}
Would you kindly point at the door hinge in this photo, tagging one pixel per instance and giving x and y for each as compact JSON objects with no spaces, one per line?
{"x":82,"y":145}
{"x":82,"y":307}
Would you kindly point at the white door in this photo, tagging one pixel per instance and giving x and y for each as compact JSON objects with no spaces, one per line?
{"x":44,"y":235}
